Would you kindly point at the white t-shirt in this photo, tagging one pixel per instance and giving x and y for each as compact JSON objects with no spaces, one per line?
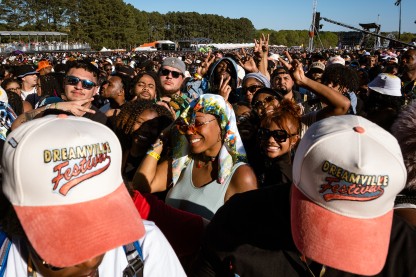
{"x":24,"y":94}
{"x":159,"y":258}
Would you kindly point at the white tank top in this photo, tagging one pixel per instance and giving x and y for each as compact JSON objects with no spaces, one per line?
{"x":204,"y":201}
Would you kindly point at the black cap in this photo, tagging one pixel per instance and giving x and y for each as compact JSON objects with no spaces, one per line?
{"x":270,"y":91}
{"x":24,"y":70}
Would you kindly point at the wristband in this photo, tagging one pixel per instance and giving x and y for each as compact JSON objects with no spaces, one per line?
{"x":154,"y":155}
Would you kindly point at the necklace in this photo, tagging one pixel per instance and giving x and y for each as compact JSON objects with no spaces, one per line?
{"x":203,"y":161}
{"x":304,"y":261}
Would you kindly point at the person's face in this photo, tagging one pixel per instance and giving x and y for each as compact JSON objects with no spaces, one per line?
{"x":317,"y":76}
{"x":46,"y":70}
{"x":145,"y":131}
{"x":371,"y":61}
{"x":223,"y":70}
{"x":108,"y":69}
{"x":15,"y":87}
{"x":250,"y":86}
{"x":244,"y":123}
{"x":283,"y":82}
{"x":218,"y":56}
{"x":30,"y":80}
{"x":77,"y":92}
{"x":170,"y":84}
{"x":145,"y":88}
{"x":206,"y":135}
{"x":264,"y":104}
{"x":409,"y":60}
{"x":88,"y":268}
{"x":113,"y":87}
{"x":273,"y":148}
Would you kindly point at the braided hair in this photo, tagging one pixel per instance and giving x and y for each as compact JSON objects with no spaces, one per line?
{"x":129,"y":114}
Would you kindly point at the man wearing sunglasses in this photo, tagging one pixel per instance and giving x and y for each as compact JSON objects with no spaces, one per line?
{"x":80,"y":86}
{"x":172,"y":76}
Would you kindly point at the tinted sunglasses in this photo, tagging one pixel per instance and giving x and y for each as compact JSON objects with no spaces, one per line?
{"x":278,"y":135}
{"x":258,"y":104}
{"x":73,"y":81}
{"x":253,"y":88}
{"x":166,"y":72}
{"x":183,"y":127}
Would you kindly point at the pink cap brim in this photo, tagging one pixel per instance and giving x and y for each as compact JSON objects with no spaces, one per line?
{"x":353,"y":245}
{"x":68,"y":235}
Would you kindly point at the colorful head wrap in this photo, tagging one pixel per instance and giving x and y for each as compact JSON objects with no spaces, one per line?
{"x":232,"y":150}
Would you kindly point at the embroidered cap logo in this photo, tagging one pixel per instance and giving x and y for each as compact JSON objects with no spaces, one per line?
{"x":344,"y":185}
{"x":73,"y":165}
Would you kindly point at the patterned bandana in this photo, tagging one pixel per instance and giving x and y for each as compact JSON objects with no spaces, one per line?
{"x":232,"y":150}
{"x":7,"y":116}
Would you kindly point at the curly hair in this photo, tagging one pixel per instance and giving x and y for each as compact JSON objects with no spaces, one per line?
{"x":154,"y":76}
{"x":287,"y":112}
{"x":404,"y":129}
{"x":15,"y":101}
{"x":345,"y":77}
{"x":129,"y":115}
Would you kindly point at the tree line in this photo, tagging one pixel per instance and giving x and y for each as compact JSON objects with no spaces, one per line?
{"x":115,"y":24}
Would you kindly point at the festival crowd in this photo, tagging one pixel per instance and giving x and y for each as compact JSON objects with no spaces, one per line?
{"x":248,"y":162}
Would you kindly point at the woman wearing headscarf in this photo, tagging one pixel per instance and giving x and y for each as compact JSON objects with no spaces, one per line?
{"x":207,"y":164}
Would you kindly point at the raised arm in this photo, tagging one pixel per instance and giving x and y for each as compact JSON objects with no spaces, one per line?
{"x":152,"y":175}
{"x":261,"y":48}
{"x":337,"y":104}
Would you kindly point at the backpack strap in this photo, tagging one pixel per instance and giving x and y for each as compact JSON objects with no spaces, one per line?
{"x":134,"y":256}
{"x":4,"y":252}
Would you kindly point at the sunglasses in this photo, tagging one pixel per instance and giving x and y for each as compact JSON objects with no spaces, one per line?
{"x":253,"y":88}
{"x":278,"y":135}
{"x":183,"y":127}
{"x":258,"y":104}
{"x":73,"y":81}
{"x":166,"y":72}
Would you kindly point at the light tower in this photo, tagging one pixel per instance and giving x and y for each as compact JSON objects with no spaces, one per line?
{"x":312,"y":28}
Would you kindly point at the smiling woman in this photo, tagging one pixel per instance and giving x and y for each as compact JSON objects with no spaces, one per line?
{"x":277,"y":137}
{"x":207,"y":165}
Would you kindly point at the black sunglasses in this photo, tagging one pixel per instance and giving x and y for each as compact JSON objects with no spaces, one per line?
{"x":258,"y":104}
{"x":253,"y":88}
{"x":73,"y":81}
{"x":166,"y":72}
{"x":278,"y":135}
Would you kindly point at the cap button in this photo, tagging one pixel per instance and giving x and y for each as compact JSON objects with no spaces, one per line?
{"x":62,"y":115}
{"x":359,"y":129}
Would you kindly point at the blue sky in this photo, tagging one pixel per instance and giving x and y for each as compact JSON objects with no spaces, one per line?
{"x":295,"y":14}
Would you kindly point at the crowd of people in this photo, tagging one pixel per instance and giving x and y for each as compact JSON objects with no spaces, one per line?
{"x":249,"y":162}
